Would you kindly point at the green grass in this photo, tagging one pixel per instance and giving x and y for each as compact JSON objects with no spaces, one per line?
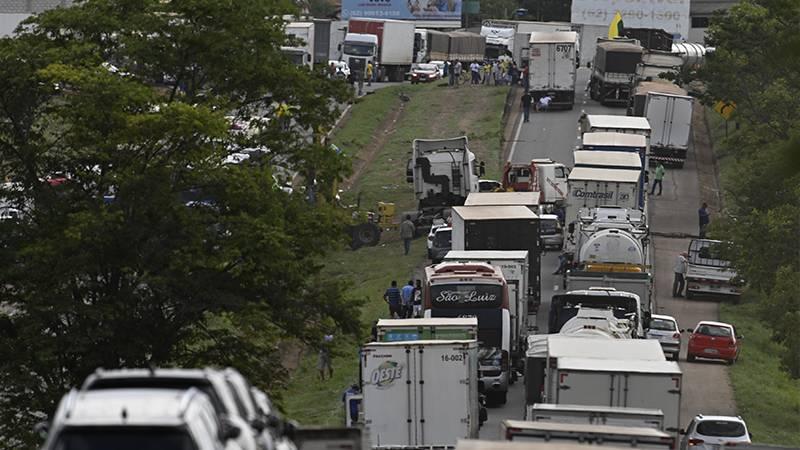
{"x":432,"y":112}
{"x":766,"y":397}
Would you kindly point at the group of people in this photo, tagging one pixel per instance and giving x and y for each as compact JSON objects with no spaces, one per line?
{"x":502,"y":72}
{"x":405,"y":302}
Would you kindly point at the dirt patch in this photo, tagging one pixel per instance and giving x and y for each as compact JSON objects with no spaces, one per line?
{"x":291,"y":354}
{"x":367,"y":155}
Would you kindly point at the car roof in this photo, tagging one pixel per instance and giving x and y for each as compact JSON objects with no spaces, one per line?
{"x":703,"y":417}
{"x":129,"y":406}
{"x":445,"y":228}
{"x":714,"y":324}
{"x":664,"y":317}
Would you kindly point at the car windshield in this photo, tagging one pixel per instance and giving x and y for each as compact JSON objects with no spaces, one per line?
{"x":548,"y":226}
{"x":662,"y":324}
{"x":715,"y":331}
{"x":358,"y":49}
{"x":722,"y":428}
{"x":427,"y":67}
{"x":128,"y":438}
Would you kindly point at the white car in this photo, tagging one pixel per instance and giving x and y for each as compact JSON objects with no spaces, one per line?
{"x":139,"y":419}
{"x":714,"y":433}
{"x":340,"y":69}
{"x":666,"y":330}
{"x":439,"y":65}
{"x":551,"y":231}
{"x":437,"y":223}
{"x":210,"y":381}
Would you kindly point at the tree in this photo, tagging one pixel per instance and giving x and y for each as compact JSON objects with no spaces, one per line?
{"x":137,"y":244}
{"x":757,"y":65}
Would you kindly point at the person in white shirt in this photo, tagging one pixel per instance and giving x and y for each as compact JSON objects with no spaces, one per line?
{"x":681,"y":265}
{"x":544,"y":103}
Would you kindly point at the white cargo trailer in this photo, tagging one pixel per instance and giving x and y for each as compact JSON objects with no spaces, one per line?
{"x":592,"y":187}
{"x":514,"y":265}
{"x":551,"y":432}
{"x":597,"y":415}
{"x":620,"y":382}
{"x":595,"y":123}
{"x":553,"y":61}
{"x":670,"y":117}
{"x":529,"y":199}
{"x":420,"y":393}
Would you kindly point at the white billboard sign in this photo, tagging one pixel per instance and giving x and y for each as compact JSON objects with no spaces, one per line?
{"x":669,"y":15}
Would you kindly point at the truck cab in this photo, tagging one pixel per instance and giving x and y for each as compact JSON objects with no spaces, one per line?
{"x":358,"y":50}
{"x":542,"y":175}
{"x":444,"y":171}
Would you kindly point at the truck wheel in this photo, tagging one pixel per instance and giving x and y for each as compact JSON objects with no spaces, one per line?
{"x":690,"y":357}
{"x":689,"y":295}
{"x":365,"y":234}
{"x":502,"y":398}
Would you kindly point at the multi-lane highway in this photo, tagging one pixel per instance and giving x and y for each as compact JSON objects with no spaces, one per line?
{"x":554,"y":134}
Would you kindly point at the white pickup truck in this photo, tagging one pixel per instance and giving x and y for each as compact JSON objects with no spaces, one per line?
{"x":708,"y":273}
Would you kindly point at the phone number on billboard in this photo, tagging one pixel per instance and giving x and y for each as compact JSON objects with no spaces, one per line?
{"x":369,"y":13}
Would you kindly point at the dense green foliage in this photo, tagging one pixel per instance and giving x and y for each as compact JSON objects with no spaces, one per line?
{"x":137,"y":244}
{"x":757,"y":66}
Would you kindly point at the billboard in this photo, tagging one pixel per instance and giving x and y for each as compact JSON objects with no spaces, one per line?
{"x":403,"y":9}
{"x":669,"y":15}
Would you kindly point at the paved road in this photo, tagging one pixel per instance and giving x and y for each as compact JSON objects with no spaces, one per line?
{"x":554,"y":134}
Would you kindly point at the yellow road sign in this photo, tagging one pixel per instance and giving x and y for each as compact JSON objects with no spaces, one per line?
{"x":725,"y":109}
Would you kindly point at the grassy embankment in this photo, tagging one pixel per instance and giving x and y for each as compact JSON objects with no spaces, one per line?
{"x":766,"y":397}
{"x":432,"y":112}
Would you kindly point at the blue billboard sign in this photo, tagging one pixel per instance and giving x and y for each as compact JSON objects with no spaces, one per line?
{"x":403,"y":9}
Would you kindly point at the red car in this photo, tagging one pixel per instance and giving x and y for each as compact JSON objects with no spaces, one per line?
{"x":714,"y":340}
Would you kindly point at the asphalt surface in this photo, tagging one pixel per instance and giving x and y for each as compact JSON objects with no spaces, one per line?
{"x":554,"y":134}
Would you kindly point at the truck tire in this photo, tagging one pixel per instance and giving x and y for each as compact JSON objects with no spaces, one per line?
{"x":689,"y":295}
{"x":502,"y":397}
{"x":365,"y":234}
{"x":690,"y":358}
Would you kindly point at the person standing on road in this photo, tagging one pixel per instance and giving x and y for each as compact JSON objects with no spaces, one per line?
{"x":393,"y":298}
{"x":704,"y":218}
{"x":657,"y":179}
{"x":370,"y":68}
{"x":407,"y":296}
{"x":681,"y":265}
{"x":525,"y":73}
{"x":525,"y":102}
{"x":451,"y":73}
{"x":407,"y":233}
{"x":475,"y":70}
{"x":458,"y":73}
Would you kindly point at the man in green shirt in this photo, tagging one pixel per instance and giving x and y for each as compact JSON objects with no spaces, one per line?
{"x":658,"y":177}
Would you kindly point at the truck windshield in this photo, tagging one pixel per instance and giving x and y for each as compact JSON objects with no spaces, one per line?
{"x":358,"y":49}
{"x":124,"y":438}
{"x":295,"y":57}
{"x":565,"y":307}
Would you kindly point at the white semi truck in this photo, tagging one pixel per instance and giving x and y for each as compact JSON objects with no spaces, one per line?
{"x":670,"y":117}
{"x":514,"y":265}
{"x":301,"y":54}
{"x":631,"y":373}
{"x":387,"y":44}
{"x":590,"y":187}
{"x":444,"y":171}
{"x":553,"y":62}
{"x":420,"y":393}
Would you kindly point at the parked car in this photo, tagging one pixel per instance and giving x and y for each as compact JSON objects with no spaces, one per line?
{"x":551,"y":231}
{"x":439,"y":65}
{"x":713,"y":340}
{"x":423,"y":73}
{"x":489,"y":186}
{"x":666,"y":330}
{"x":210,"y":381}
{"x":133,"y":419}
{"x":340,"y":69}
{"x":440,"y":244}
{"x":714,"y":433}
